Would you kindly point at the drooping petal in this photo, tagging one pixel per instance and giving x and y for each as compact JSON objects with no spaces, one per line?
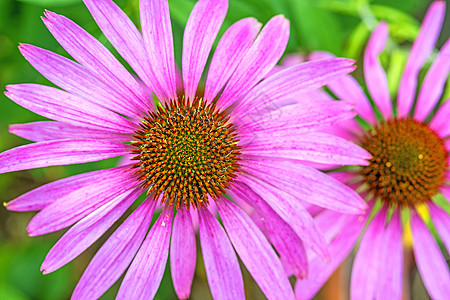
{"x":366,"y":267}
{"x":431,"y":263}
{"x":441,"y":221}
{"x":374,"y":74}
{"x":50,"y":130}
{"x":390,"y":279}
{"x":259,"y":60}
{"x":347,"y":89}
{"x":255,"y":252}
{"x":77,"y":80}
{"x":420,"y":50}
{"x":96,"y":58}
{"x":183,"y":253}
{"x":199,"y":35}
{"x":145,"y":272}
{"x":59,"y":152}
{"x":308,"y":184}
{"x":87,"y":231}
{"x":158,"y":41}
{"x":125,"y":37}
{"x":440,"y":123}
{"x":115,"y":255}
{"x":319,"y":269}
{"x":292,"y":81}
{"x":221,"y":264}
{"x":232,"y":47}
{"x":281,"y":235}
{"x":45,"y":195}
{"x":74,"y":206}
{"x":61,"y":106}
{"x":315,"y":147}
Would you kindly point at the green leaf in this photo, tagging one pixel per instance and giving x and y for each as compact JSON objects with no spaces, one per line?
{"x":51,"y":2}
{"x":356,"y":41}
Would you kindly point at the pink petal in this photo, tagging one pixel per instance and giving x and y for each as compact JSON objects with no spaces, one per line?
{"x":96,"y":58}
{"x":255,"y":252}
{"x":115,"y":255}
{"x":145,"y":272}
{"x":158,"y":40}
{"x":77,"y":80}
{"x":45,"y":195}
{"x":366,"y":267}
{"x":125,"y":37}
{"x":421,"y":49}
{"x":232,"y":47}
{"x":374,"y":74}
{"x":259,"y":60}
{"x":81,"y":202}
{"x":292,"y":81}
{"x":440,"y":123}
{"x":199,"y":35}
{"x":83,"y":234}
{"x":183,"y":253}
{"x":59,"y":152}
{"x":347,"y":89}
{"x":433,"y":84}
{"x":441,"y":221}
{"x":48,"y":130}
{"x":61,"y":106}
{"x":431,"y":263}
{"x":315,"y":147}
{"x":221,"y":264}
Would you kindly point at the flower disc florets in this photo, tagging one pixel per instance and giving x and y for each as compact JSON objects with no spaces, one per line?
{"x":408,"y":164}
{"x":187,"y":150}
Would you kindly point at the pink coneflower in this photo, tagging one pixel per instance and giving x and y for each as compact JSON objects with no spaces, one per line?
{"x":409,"y":167}
{"x":188,"y":151}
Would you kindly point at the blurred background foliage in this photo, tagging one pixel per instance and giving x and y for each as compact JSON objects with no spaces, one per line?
{"x":338,"y":26}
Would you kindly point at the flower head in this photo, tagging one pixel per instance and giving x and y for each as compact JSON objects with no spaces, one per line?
{"x":187,"y":152}
{"x":408,"y":168}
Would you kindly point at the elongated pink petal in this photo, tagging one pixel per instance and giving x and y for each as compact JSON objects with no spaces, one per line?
{"x":221,"y":264}
{"x":125,"y":37}
{"x":315,"y":147}
{"x":390,"y":281}
{"x":347,"y":89}
{"x":255,"y":252}
{"x":96,"y":58}
{"x":59,"y":152}
{"x":421,"y":49}
{"x":433,"y":84}
{"x":158,"y":40}
{"x":308,"y":184}
{"x":45,"y":195}
{"x":183,"y":253}
{"x":441,"y":221}
{"x":431,"y":263}
{"x":61,"y":106}
{"x":49,"y":130}
{"x":292,"y":81}
{"x":291,"y":211}
{"x":87,"y":231}
{"x":259,"y":60}
{"x":340,"y":247}
{"x":232,"y":47}
{"x":440,"y":123}
{"x":374,"y":74}
{"x":281,"y":235}
{"x":81,"y":202}
{"x":115,"y":255}
{"x":201,"y":30}
{"x":366,"y":267}
{"x":145,"y":273}
{"x":76,"y":79}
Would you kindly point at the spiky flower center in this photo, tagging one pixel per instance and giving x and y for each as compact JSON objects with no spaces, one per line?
{"x":408,"y":164}
{"x":187,"y":150}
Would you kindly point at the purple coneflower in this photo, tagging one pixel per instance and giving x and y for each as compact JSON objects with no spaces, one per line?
{"x":188,"y":151}
{"x":410,"y":166}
